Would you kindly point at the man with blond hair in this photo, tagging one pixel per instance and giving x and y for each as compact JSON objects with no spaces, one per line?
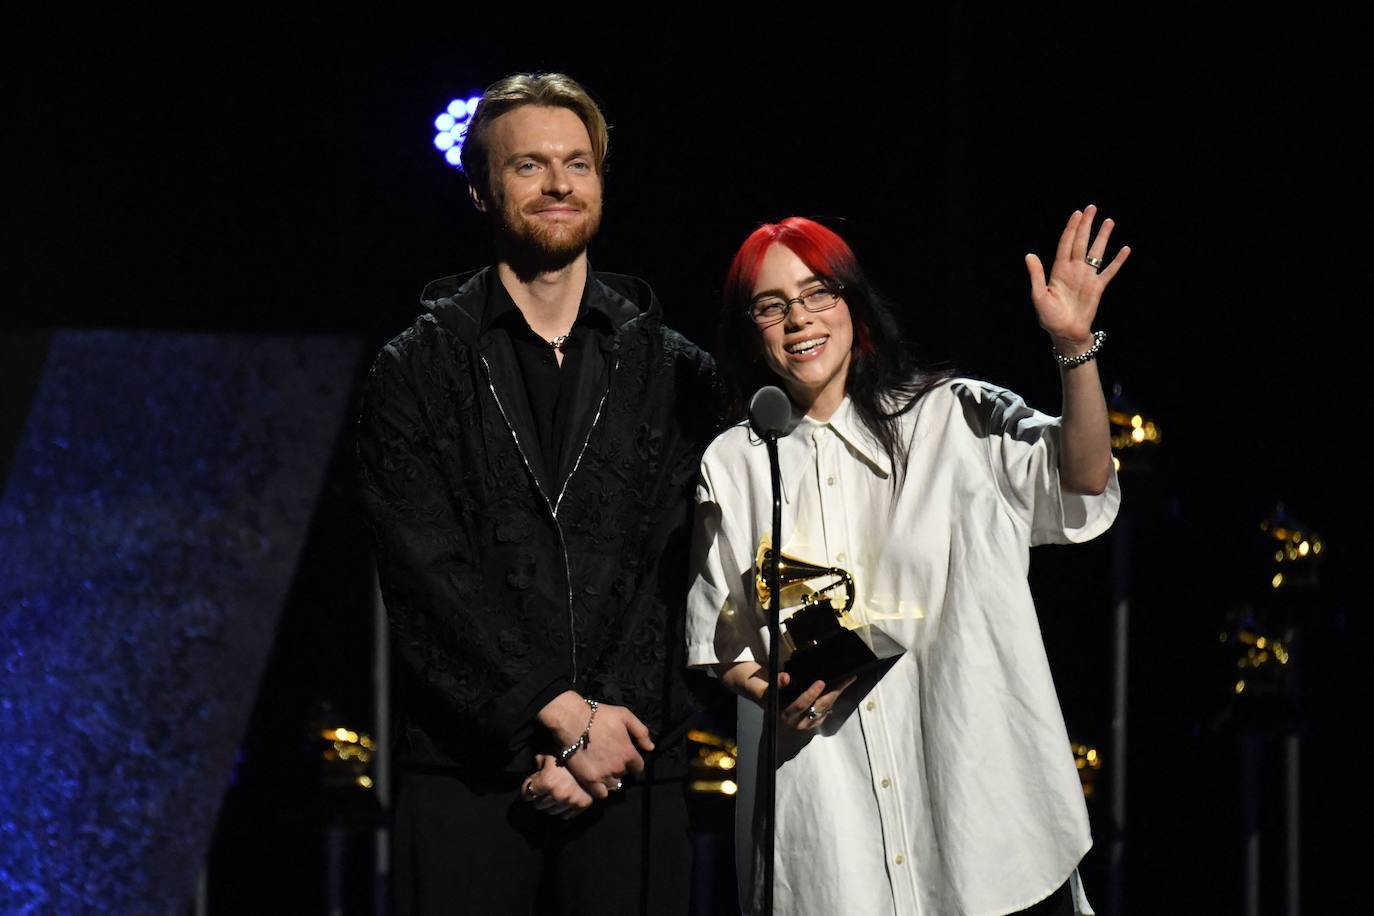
{"x":528,"y":450}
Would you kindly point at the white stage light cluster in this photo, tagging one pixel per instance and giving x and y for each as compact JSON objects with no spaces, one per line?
{"x":452,"y":127}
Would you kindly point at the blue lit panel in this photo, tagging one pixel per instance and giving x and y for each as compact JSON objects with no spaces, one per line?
{"x":154,"y":511}
{"x":451,"y":126}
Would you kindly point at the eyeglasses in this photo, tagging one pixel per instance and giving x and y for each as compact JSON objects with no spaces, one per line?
{"x":769,"y":310}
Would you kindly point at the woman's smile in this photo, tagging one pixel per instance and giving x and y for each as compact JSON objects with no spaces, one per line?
{"x":808,"y":351}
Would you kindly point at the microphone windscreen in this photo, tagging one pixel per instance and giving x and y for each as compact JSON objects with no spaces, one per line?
{"x":770,"y":412}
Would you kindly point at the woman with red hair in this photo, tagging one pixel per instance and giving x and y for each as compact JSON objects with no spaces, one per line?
{"x":939,"y":781}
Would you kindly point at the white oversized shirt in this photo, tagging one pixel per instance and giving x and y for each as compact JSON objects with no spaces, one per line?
{"x":943,"y":783}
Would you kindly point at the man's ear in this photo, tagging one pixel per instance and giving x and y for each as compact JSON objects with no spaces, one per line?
{"x":477,"y":200}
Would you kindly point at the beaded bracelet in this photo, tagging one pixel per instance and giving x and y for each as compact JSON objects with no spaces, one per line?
{"x":1068,"y":362}
{"x":581,"y":742}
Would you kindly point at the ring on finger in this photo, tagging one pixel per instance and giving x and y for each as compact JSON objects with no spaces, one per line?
{"x":813,"y":713}
{"x":617,"y":786}
{"x":1094,"y":263}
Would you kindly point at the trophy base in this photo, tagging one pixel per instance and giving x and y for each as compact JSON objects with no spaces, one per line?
{"x":842,"y":654}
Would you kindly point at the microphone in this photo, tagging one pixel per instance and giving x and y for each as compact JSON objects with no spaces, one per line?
{"x":770,"y":412}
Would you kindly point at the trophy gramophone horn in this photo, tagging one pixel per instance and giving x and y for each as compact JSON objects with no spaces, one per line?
{"x":792,"y":571}
{"x":820,"y":634}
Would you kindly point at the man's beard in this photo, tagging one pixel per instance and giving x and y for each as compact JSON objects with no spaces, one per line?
{"x":533,"y":246}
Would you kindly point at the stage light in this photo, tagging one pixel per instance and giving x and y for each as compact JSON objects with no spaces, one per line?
{"x":1296,"y":550}
{"x":716,"y":755}
{"x":1089,"y":764}
{"x":451,"y":125}
{"x":1134,"y":435}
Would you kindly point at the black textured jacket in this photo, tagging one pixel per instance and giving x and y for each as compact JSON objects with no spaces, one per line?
{"x":503,"y":588}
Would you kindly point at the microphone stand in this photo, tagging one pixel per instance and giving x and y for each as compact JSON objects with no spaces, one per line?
{"x":772,"y":713}
{"x":769,"y":414}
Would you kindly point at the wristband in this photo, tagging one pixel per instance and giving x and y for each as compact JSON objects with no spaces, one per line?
{"x":1068,"y":362}
{"x":583,"y":741}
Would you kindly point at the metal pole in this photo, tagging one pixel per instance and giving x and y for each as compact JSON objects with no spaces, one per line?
{"x":336,"y":838}
{"x":202,"y":903}
{"x":381,"y":754}
{"x":770,"y":731}
{"x":1121,"y":627}
{"x":1292,"y":750}
{"x":1250,"y":754}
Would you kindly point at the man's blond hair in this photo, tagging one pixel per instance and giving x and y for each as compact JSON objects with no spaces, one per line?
{"x":554,"y":90}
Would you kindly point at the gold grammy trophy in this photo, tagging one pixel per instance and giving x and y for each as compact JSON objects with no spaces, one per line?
{"x":821,"y":637}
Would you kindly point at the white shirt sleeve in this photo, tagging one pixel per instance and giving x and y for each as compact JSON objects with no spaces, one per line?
{"x":722,"y":624}
{"x":1023,"y":449}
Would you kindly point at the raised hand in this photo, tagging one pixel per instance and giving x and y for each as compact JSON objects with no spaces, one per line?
{"x":1067,"y":303}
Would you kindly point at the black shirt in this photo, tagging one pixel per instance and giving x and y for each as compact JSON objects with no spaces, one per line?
{"x":562,"y":399}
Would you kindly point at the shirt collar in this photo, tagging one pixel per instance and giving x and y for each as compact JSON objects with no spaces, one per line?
{"x":500,"y":307}
{"x":797,"y":449}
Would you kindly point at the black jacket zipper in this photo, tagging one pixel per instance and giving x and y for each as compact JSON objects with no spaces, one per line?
{"x":553,"y":506}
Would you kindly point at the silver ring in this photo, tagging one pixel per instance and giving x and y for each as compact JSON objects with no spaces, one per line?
{"x":617,"y":787}
{"x":1094,"y":263}
{"x":811,"y":712}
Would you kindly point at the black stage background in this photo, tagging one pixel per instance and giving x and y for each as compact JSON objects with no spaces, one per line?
{"x":216,"y":172}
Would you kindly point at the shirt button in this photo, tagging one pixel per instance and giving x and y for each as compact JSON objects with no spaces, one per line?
{"x":899,"y":858}
{"x":886,"y":782}
{"x":830,"y":481}
{"x":870,"y":706}
{"x":839,"y":557}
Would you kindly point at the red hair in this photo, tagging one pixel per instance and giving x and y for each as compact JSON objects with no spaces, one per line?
{"x":884,"y":379}
{"x":819,"y":248}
